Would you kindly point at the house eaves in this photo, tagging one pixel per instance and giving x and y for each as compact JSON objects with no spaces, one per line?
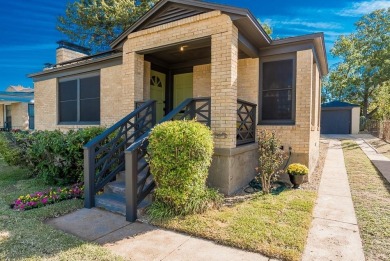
{"x":243,"y":19}
{"x":16,"y":97}
{"x":292,"y":44}
{"x":78,"y":66}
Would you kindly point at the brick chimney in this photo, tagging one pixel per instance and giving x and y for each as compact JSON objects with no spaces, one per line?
{"x":67,"y":51}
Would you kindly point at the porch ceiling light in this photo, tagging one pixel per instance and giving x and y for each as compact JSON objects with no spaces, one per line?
{"x":182,"y":47}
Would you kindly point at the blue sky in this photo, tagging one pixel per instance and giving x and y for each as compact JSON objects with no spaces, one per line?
{"x":28,"y":35}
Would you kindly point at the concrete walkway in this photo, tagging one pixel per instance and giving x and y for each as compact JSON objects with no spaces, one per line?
{"x":381,"y":162}
{"x":334,"y":234}
{"x":142,"y":242}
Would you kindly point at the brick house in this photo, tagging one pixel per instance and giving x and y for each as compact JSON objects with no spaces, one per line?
{"x":17,"y":109}
{"x":191,"y":49}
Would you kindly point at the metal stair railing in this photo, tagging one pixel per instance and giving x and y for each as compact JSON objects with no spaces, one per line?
{"x":246,"y":122}
{"x":104,"y":156}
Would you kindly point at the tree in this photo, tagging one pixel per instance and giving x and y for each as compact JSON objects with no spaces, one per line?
{"x":365,"y":65}
{"x":96,"y":23}
{"x":267,"y":28}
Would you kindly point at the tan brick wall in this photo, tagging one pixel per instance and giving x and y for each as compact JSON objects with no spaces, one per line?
{"x":224,"y":63}
{"x":223,"y":80}
{"x":147,"y":70}
{"x":19,"y":116}
{"x":202,"y":81}
{"x":63,"y":55}
{"x":1,"y":115}
{"x":111,"y":95}
{"x":45,"y":97}
{"x":248,"y":80}
{"x":314,"y":130}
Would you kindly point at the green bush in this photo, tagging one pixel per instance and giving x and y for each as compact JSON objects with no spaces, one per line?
{"x":58,"y":157}
{"x":13,"y":146}
{"x":54,"y":156}
{"x":180,"y":154}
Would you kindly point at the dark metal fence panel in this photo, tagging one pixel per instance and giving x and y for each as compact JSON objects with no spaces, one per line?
{"x":105,"y":154}
{"x":246,"y":122}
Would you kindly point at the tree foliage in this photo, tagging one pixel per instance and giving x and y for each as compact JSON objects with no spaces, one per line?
{"x":365,"y":64}
{"x":96,"y":23}
{"x":267,"y":28}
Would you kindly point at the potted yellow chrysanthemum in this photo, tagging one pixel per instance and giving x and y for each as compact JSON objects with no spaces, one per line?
{"x":297,"y":174}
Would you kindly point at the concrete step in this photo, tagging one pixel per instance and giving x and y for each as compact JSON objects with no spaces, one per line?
{"x":117,"y":204}
{"x":111,"y":202}
{"x":116,"y":187}
{"x":121,"y":175}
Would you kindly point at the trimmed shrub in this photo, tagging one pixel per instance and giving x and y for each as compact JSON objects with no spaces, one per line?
{"x":54,"y":156}
{"x":13,"y":147}
{"x":271,"y":158}
{"x":180,"y":154}
{"x":58,"y":157}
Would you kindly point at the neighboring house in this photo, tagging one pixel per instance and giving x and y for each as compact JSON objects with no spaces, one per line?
{"x":339,"y":117}
{"x":189,"y":49}
{"x":17,"y":109}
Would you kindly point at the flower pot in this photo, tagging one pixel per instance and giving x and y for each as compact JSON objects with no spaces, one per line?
{"x":296,"y":180}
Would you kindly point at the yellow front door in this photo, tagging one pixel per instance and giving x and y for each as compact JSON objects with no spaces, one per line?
{"x":182,"y":88}
{"x":157,"y":92}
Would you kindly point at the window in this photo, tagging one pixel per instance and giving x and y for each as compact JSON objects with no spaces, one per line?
{"x":277,"y":92}
{"x":31,"y":125}
{"x":8,"y":117}
{"x":79,"y":100}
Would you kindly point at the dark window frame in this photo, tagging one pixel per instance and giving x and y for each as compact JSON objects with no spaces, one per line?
{"x":276,"y":58}
{"x":8,"y":116}
{"x":31,"y":117}
{"x":78,"y":78}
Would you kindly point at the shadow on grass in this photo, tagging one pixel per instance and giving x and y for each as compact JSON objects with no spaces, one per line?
{"x":353,"y":146}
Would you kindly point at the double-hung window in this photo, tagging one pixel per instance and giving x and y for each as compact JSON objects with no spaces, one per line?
{"x":277,"y":95}
{"x":79,"y":100}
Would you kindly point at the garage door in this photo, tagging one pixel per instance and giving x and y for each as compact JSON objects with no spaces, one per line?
{"x":336,"y":121}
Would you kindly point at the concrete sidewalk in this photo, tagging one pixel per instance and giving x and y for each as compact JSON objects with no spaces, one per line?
{"x":381,"y":162}
{"x":142,"y":242}
{"x":334,"y":234}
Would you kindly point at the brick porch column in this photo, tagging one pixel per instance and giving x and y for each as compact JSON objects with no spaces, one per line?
{"x":133,"y":81}
{"x":224,"y":58}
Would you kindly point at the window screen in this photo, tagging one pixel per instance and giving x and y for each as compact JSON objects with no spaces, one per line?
{"x":79,"y":100}
{"x":31,"y":116}
{"x":277,"y":91}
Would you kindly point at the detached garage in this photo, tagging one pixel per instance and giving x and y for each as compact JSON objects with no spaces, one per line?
{"x":340,"y":118}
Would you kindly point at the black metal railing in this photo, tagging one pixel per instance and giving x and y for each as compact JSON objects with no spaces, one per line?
{"x":139,"y":180}
{"x":246,"y":122}
{"x":104,"y":156}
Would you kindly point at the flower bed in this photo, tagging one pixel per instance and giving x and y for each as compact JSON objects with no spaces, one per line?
{"x":53,"y":195}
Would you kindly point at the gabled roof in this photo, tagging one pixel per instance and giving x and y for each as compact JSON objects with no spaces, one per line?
{"x":16,"y":97}
{"x":338,"y":104}
{"x":166,"y":11}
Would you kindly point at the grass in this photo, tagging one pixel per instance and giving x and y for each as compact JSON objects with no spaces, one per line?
{"x":371,"y":198}
{"x":275,"y":226}
{"x":24,"y":236}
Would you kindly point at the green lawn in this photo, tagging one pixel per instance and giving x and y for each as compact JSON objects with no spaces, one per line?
{"x":24,"y":236}
{"x":371,"y":198}
{"x":274,"y":225}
